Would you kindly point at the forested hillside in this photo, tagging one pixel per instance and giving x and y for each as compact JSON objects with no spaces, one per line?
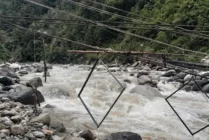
{"x":182,"y":23}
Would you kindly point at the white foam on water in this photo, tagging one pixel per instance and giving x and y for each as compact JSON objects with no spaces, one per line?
{"x":152,"y":119}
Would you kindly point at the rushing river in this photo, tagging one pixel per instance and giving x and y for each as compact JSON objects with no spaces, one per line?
{"x":152,"y":119}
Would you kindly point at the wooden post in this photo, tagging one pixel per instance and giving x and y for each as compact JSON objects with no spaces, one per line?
{"x":45,"y":67}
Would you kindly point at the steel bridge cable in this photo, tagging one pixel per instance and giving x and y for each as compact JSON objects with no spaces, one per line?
{"x":200,"y":35}
{"x":112,"y":22}
{"x":100,"y":50}
{"x":46,"y":34}
{"x":121,"y":31}
{"x":131,"y":28}
{"x":148,"y":18}
{"x":82,"y":24}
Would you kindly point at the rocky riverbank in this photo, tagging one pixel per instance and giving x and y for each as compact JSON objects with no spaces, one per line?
{"x":17,"y":98}
{"x":22,"y":119}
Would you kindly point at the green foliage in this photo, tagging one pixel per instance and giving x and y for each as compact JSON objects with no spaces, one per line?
{"x":4,"y":55}
{"x":19,"y":45}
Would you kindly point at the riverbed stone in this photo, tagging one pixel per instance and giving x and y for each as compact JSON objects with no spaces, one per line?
{"x":169,"y":73}
{"x":206,"y":88}
{"x":43,"y":118}
{"x":144,"y":79}
{"x":26,"y":96}
{"x":35,"y":82}
{"x":59,"y":127}
{"x":38,"y":134}
{"x":16,"y":118}
{"x":6,"y":81}
{"x":122,"y":136}
{"x":87,"y":135}
{"x":17,"y":130}
{"x":9,"y":113}
{"x":146,"y":91}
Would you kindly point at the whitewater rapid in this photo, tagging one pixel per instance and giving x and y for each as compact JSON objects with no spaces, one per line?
{"x":152,"y":119}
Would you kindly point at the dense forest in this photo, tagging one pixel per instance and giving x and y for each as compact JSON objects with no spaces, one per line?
{"x":182,"y":23}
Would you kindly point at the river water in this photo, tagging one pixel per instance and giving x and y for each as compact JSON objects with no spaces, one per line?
{"x":152,"y":119}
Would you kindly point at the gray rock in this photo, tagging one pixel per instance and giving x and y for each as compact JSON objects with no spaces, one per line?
{"x":5,"y":99}
{"x":206,"y":74}
{"x":142,"y":72}
{"x":55,"y":137}
{"x":181,"y":75}
{"x":30,"y":136}
{"x":146,"y":91}
{"x":187,"y":77}
{"x":187,"y":88}
{"x":2,"y":126}
{"x":49,"y":106}
{"x":8,"y":123}
{"x":43,"y":118}
{"x":5,"y":119}
{"x":26,"y":96}
{"x":9,"y":113}
{"x":23,"y":72}
{"x":200,"y":83}
{"x":17,"y":130}
{"x":40,"y":69}
{"x":2,"y":106}
{"x":6,"y":81}
{"x":59,"y":127}
{"x":2,"y":135}
{"x":16,"y":118}
{"x":169,"y":73}
{"x":38,"y":134}
{"x":138,"y":63}
{"x":8,"y":72}
{"x":146,"y":68}
{"x":144,"y":79}
{"x":127,"y":81}
{"x":35,"y":82}
{"x":206,"y":88}
{"x":122,"y":136}
{"x":5,"y":131}
{"x":87,"y":135}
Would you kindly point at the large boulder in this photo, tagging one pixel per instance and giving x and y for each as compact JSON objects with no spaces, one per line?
{"x":23,"y":72}
{"x":59,"y":127}
{"x":142,"y":72}
{"x":8,"y":72}
{"x":87,"y":135}
{"x":122,"y":136}
{"x":206,"y":88}
{"x":138,"y":63}
{"x":17,"y":130}
{"x":187,"y":77}
{"x":146,"y":91}
{"x":26,"y":96}
{"x":201,"y":83}
{"x":43,"y":118}
{"x":6,"y":81}
{"x":35,"y":82}
{"x":144,"y":79}
{"x":180,"y":75}
{"x":169,"y":73}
